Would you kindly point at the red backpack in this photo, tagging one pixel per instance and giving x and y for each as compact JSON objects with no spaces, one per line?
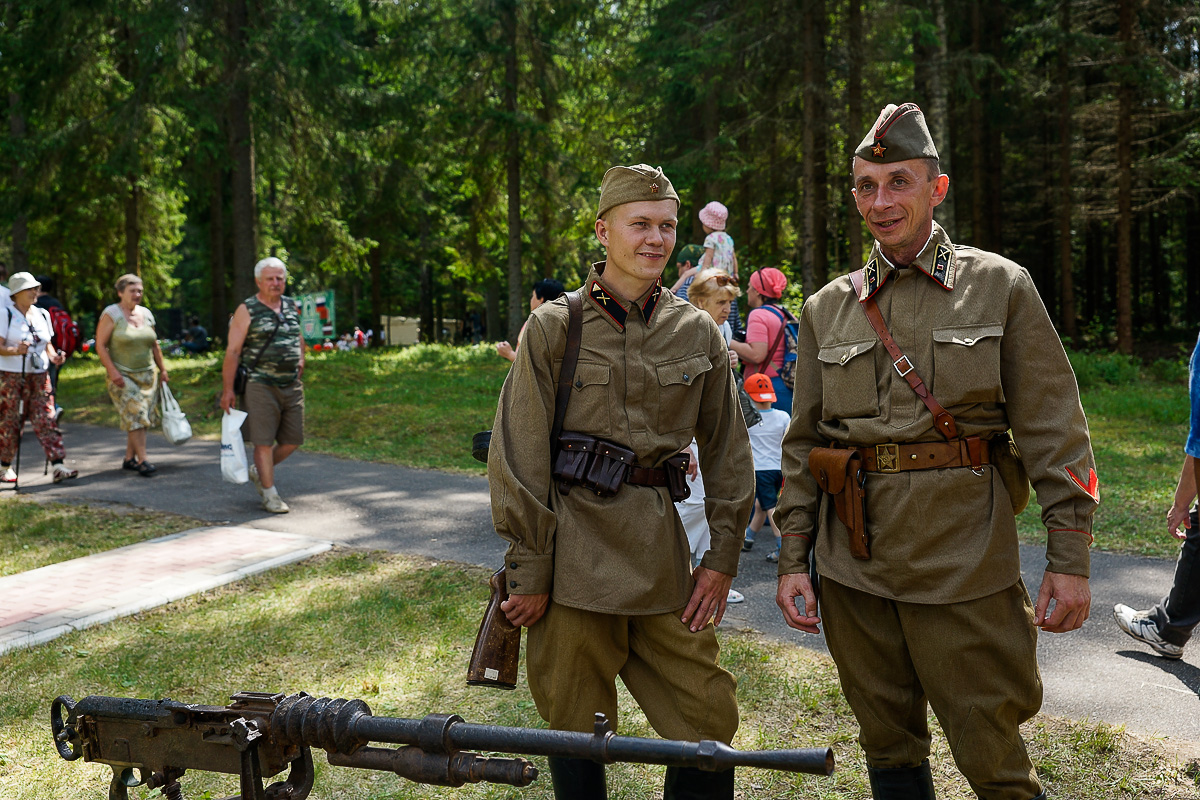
{"x":67,"y":336}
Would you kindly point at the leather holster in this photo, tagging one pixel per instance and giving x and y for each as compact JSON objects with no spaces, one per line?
{"x":839,"y":473}
{"x":571,"y":462}
{"x":608,"y":468}
{"x":677,"y":482}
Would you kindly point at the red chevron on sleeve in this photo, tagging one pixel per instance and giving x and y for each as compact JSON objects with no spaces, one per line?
{"x":1092,"y":487}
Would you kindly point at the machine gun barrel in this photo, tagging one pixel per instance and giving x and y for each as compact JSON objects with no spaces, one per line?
{"x":153,"y":742}
{"x":352,"y":725}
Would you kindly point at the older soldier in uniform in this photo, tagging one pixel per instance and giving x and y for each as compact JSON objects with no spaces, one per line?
{"x":937,"y":612}
{"x":604,"y":583}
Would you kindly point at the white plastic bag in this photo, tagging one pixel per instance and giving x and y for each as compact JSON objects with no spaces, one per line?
{"x":175,"y":425}
{"x":234,"y":468}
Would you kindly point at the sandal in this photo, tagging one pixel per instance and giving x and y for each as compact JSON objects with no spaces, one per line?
{"x":130,"y":464}
{"x":146,"y":469}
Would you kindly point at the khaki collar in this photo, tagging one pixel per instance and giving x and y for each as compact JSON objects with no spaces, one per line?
{"x":614,"y":308}
{"x":937,"y":260}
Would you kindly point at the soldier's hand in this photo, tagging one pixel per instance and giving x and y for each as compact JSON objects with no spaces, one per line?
{"x":798,"y":584}
{"x":525,"y":609}
{"x":1072,"y":602}
{"x":708,"y":598}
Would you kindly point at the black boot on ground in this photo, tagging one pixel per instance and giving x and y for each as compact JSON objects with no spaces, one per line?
{"x":577,"y":779}
{"x":688,"y":783}
{"x":902,"y":783}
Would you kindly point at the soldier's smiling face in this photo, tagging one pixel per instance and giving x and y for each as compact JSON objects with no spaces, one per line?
{"x":897,"y":202}
{"x":639,"y":238}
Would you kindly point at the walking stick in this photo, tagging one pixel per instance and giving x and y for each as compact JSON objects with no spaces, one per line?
{"x":20,"y":425}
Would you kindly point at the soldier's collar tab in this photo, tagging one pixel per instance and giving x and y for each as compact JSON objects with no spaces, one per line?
{"x":937,"y":260}
{"x":616,"y":310}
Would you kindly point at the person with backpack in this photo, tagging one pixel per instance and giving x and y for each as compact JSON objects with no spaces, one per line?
{"x":770,"y":346}
{"x":25,"y":353}
{"x":67,"y":337}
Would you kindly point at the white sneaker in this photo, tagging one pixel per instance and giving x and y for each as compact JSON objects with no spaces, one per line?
{"x":274,"y":503}
{"x":10,"y":475}
{"x":61,"y":473}
{"x":1139,"y":625}
{"x":256,"y":480}
{"x":735,"y":596}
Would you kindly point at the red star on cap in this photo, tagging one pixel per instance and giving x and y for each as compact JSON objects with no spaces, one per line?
{"x":654,"y":188}
{"x":878,"y":150}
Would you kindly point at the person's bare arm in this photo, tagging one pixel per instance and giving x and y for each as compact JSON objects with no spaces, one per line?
{"x":104,"y":331}
{"x":1072,"y":602}
{"x":750,"y":352}
{"x":1179,"y":514}
{"x":239,"y":326}
{"x":158,"y":362}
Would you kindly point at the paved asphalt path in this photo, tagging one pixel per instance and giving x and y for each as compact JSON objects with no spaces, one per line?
{"x":1095,"y":673}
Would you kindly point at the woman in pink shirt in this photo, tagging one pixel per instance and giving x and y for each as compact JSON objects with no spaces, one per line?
{"x":764,"y":347}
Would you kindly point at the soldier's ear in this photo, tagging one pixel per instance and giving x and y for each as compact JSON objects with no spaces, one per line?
{"x":941,"y":187}
{"x":602,"y":231}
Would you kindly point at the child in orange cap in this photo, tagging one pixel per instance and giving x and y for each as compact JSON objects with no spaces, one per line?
{"x":766,"y":445}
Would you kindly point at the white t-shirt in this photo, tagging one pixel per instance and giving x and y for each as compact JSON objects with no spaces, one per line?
{"x":34,"y":330}
{"x":766,"y":438}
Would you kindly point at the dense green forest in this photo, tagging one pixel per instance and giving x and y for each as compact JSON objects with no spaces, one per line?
{"x":433,"y":158}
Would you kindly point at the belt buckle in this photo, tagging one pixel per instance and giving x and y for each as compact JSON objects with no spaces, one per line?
{"x":887,"y":457}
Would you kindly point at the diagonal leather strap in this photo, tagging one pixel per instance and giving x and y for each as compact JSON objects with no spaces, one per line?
{"x":942,"y":418}
{"x":567,"y":372}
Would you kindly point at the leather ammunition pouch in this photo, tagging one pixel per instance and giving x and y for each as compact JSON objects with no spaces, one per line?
{"x":840,"y":474}
{"x":1006,"y":460}
{"x":601,"y":467}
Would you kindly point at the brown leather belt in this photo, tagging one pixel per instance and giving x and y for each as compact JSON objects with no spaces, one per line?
{"x":647,"y":476}
{"x":970,"y":452}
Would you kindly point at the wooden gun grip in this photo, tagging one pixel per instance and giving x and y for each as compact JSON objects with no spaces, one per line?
{"x":497,"y":653}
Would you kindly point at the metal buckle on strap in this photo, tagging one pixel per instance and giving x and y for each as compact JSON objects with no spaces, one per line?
{"x":908,"y":363}
{"x":887,"y":457}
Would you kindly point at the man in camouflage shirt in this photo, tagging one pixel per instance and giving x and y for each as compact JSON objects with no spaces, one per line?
{"x":266,"y":330}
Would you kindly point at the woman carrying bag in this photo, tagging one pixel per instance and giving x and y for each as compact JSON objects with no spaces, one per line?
{"x":127,"y":345}
{"x":25,"y":358}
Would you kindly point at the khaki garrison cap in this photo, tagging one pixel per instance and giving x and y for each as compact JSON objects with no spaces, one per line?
{"x":899,"y":134}
{"x":630,"y":184}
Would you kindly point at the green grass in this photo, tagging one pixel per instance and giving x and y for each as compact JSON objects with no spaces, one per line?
{"x":33,"y":534}
{"x":419,"y":407}
{"x":397,"y":632}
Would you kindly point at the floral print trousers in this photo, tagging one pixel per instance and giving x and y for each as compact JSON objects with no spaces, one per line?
{"x":34,"y":389}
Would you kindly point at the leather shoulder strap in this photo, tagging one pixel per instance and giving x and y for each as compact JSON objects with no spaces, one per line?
{"x":942,"y":418}
{"x":570,"y":358}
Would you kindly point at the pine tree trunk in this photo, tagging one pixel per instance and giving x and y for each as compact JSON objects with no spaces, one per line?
{"x":814,"y":258}
{"x":1066,"y":279}
{"x":1192,"y":263}
{"x":375,"y":261}
{"x":216,"y":245}
{"x":516,"y":283}
{"x":940,"y":114}
{"x":133,"y":231}
{"x":241,"y":149}
{"x":20,"y":224}
{"x":854,"y":103}
{"x":978,"y":233}
{"x":1125,"y":184}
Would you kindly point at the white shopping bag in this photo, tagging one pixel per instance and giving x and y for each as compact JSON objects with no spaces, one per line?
{"x":175,"y":425}
{"x":234,"y":468}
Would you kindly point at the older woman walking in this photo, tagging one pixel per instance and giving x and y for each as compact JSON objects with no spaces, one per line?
{"x":25,"y":356}
{"x":128,"y":348}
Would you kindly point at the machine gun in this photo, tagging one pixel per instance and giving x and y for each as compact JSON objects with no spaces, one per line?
{"x":153,"y":742}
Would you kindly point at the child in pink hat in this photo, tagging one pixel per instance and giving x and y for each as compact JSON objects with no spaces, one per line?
{"x":718,"y":245}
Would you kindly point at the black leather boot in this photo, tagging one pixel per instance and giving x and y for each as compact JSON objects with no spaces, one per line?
{"x":902,"y":783}
{"x":577,"y":779}
{"x":689,"y":783}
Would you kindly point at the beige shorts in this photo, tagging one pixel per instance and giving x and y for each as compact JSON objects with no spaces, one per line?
{"x":276,"y":414}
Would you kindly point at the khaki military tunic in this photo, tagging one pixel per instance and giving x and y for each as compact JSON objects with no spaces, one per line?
{"x":976,"y":331}
{"x":651,"y":375}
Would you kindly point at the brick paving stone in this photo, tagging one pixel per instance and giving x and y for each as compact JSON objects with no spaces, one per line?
{"x":41,"y":604}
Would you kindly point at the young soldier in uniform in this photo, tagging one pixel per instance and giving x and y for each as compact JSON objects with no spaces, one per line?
{"x":603,"y":583}
{"x":936,"y":611}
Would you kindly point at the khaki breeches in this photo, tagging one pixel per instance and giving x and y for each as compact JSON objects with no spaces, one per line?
{"x":974,"y":662}
{"x":573,"y":658}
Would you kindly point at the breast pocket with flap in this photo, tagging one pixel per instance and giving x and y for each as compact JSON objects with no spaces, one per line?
{"x":966,"y":364}
{"x":848,"y":380}
{"x":678,"y":394}
{"x":590,"y":408}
